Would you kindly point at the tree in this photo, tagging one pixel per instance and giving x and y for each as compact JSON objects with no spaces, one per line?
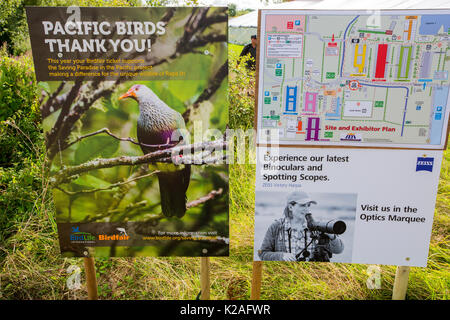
{"x":232,"y":9}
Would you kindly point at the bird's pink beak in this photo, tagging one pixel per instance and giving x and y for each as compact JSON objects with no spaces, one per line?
{"x":130,"y":93}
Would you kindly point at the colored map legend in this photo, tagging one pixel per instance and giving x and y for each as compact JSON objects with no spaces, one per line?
{"x":337,"y":75}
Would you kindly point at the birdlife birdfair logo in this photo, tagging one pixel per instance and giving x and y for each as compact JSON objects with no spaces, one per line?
{"x":122,"y":236}
{"x":78,"y":236}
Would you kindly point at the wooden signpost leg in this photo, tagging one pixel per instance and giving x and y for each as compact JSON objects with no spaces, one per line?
{"x":256,"y":280}
{"x":400,"y":283}
{"x":91,"y":279}
{"x":204,"y":278}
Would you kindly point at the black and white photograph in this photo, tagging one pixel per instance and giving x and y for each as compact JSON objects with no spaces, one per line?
{"x":304,"y":226}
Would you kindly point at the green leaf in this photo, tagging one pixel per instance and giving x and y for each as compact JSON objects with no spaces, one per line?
{"x":186,"y":90}
{"x":91,"y":182}
{"x":95,"y":147}
{"x":45,"y":86}
{"x":99,"y":105}
{"x":82,"y":206}
{"x":112,"y":102}
{"x":166,"y":95}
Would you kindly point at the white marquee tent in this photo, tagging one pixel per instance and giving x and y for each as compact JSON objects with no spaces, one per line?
{"x":241,"y":28}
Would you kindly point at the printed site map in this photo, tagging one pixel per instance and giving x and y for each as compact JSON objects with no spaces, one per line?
{"x":355,"y":79}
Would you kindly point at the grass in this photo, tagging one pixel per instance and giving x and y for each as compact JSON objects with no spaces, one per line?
{"x":235,"y":48}
{"x":31,"y":267}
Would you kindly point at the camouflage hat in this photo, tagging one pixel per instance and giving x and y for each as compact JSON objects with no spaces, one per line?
{"x":299,"y":197}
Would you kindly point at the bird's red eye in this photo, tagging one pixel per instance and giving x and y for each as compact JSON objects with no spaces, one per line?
{"x":137,"y":88}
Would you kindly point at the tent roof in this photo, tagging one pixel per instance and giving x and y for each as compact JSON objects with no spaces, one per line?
{"x":251,"y":19}
{"x":247,"y":20}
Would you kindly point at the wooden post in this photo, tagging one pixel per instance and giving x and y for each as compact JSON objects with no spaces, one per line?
{"x":204,"y":278}
{"x":91,"y":279}
{"x":256,"y":280}
{"x":400,"y":283}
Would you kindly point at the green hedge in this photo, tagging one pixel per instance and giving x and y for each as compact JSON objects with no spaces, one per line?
{"x":18,"y":86}
{"x":21,"y":142}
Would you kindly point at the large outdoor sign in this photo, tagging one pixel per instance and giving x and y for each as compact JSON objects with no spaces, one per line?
{"x":354,"y":78}
{"x":352,"y":117}
{"x":380,"y":202}
{"x":123,"y":90}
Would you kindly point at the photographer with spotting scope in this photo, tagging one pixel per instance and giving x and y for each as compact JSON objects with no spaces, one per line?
{"x":297,"y":237}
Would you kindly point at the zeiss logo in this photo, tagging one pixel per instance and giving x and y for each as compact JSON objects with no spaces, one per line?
{"x":424,"y":164}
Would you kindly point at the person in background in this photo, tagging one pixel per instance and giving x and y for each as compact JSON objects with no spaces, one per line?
{"x":250,"y":49}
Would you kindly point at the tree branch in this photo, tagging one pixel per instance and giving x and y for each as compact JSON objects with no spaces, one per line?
{"x":112,"y":186}
{"x":202,"y":41}
{"x":128,"y":208}
{"x":97,"y":89}
{"x":80,"y":107}
{"x":192,"y":38}
{"x":106,"y":130}
{"x":216,"y":19}
{"x":123,"y":189}
{"x":213,"y":194}
{"x":71,"y":96}
{"x":154,"y":219}
{"x":209,"y":91}
{"x":67,"y":121}
{"x":66,"y":172}
{"x":54,"y":102}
